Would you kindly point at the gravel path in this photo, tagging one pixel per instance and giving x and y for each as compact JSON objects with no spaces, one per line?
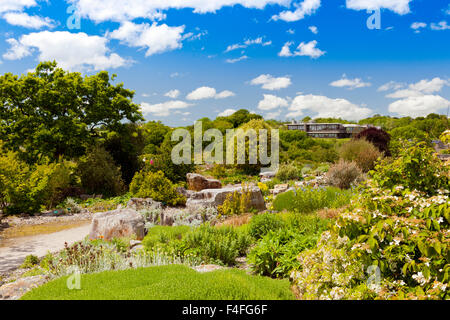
{"x":15,"y":250}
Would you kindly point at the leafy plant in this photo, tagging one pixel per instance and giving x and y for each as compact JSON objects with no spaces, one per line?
{"x":344,"y":174}
{"x":262,"y":224}
{"x":236,"y":203}
{"x":364,"y":153}
{"x":287,"y":172}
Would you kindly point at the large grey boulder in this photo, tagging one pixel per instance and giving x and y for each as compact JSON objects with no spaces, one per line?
{"x":216,"y":197}
{"x":117,"y":224}
{"x":139,"y":204}
{"x":198,"y":182}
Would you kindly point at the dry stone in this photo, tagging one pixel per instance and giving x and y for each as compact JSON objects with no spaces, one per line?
{"x":117,"y":224}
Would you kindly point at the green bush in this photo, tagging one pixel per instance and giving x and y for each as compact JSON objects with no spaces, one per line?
{"x":173,"y":282}
{"x":275,"y":255}
{"x":155,"y":185}
{"x":344,"y":174}
{"x":163,"y":235}
{"x":29,"y":262}
{"x":262,"y":224}
{"x":393,"y":243}
{"x":364,"y":153}
{"x":311,"y":199}
{"x":287,"y":172}
{"x":236,"y":203}
{"x":99,"y":174}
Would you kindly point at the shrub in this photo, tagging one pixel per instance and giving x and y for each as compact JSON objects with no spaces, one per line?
{"x":287,"y":172}
{"x":99,"y":174}
{"x":264,"y":188}
{"x":416,"y":167}
{"x":344,"y":174}
{"x":29,"y":262}
{"x":236,"y":203}
{"x":147,"y":184}
{"x":378,"y":137}
{"x":163,"y":235}
{"x":310,"y":199}
{"x":391,"y":244}
{"x":261,"y":224}
{"x":275,"y":255}
{"x":362,"y":152}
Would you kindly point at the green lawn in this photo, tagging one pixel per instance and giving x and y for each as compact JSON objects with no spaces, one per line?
{"x":173,"y":282}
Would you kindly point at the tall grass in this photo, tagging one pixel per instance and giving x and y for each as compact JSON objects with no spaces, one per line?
{"x":308,"y":200}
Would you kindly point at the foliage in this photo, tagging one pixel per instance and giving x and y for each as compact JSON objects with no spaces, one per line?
{"x":262,"y":224}
{"x":364,"y":153}
{"x":174,"y":282}
{"x":163,"y":235}
{"x":287,"y":172}
{"x":391,"y":244}
{"x":344,"y":174}
{"x":29,"y":262}
{"x":378,"y":137}
{"x":51,"y":112}
{"x":264,"y":188}
{"x":156,"y":186}
{"x":99,"y":174}
{"x":416,"y":167}
{"x":236,"y":203}
{"x":310,"y":199}
{"x":445,"y":137}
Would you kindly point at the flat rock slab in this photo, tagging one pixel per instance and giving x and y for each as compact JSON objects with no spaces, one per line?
{"x":117,"y":224}
{"x":15,"y":290}
{"x":14,"y":251}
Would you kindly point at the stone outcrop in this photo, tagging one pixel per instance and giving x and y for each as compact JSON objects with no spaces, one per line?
{"x":198,"y":182}
{"x":15,"y":290}
{"x":216,"y":197}
{"x":143,"y":204}
{"x":280,"y":188}
{"x":117,"y":224}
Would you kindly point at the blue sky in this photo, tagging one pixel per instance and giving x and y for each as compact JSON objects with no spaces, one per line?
{"x":283,"y":59}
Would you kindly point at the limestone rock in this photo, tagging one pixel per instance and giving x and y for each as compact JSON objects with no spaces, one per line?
{"x":280,"y":188}
{"x":198,"y":182}
{"x":117,"y":224}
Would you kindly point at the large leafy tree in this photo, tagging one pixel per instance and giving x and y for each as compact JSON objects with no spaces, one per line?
{"x":52,"y":112}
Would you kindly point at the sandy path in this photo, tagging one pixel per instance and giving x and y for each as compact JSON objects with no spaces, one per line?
{"x":15,"y":250}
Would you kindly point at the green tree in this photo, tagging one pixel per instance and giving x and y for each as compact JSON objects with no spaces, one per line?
{"x":51,"y":112}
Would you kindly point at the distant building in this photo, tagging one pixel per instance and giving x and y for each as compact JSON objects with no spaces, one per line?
{"x":328,"y":130}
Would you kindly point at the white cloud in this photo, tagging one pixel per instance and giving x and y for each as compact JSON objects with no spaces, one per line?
{"x":291,"y":31}
{"x":420,"y":88}
{"x":418,"y":25}
{"x":271,"y":102}
{"x":314,"y":29}
{"x":247,"y":43}
{"x":269,"y":82}
{"x":419,"y":106}
{"x":73,"y":51}
{"x":163,"y":109}
{"x":391,"y":85}
{"x":304,"y":49}
{"x":236,"y":60}
{"x":173,"y":94}
{"x":208,"y":93}
{"x":156,"y":38}
{"x":272,"y":115}
{"x":122,"y":10}
{"x":22,"y":19}
{"x":398,"y":6}
{"x":226,"y":113}
{"x":325,"y":107}
{"x":350,"y":83}
{"x":16,"y":5}
{"x":440,"y":26}
{"x":306,"y":8}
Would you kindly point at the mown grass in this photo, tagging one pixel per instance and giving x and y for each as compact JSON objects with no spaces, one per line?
{"x":173,"y":282}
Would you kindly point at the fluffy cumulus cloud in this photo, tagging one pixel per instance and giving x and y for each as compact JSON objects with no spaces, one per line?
{"x":16,"y":5}
{"x":419,"y":106}
{"x":391,"y":85}
{"x":398,"y":6}
{"x":73,"y":51}
{"x":226,"y":113}
{"x":416,"y":26}
{"x":420,"y":98}
{"x":314,"y":29}
{"x":173,"y":94}
{"x":163,"y":109}
{"x":22,"y":19}
{"x":208,"y":93}
{"x":271,"y":102}
{"x":303,"y":9}
{"x":350,"y":83}
{"x":155,"y":38}
{"x":304,"y":49}
{"x":440,"y":26}
{"x":268,"y":82}
{"x":123,"y":10}
{"x":325,"y":107}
